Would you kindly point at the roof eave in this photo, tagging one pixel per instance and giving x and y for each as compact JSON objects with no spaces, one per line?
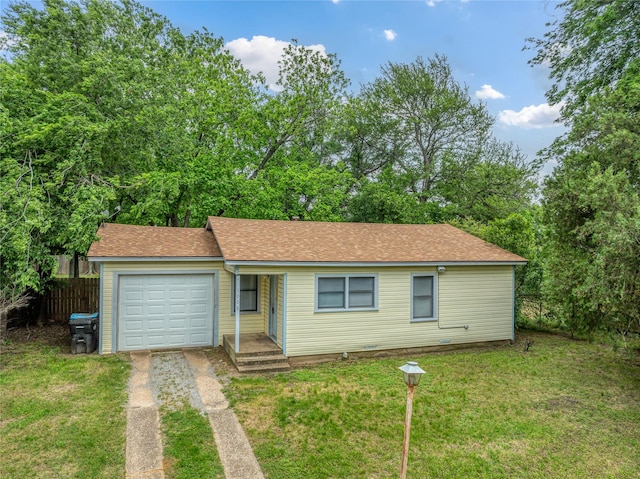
{"x":372,"y":263}
{"x":106,"y":259}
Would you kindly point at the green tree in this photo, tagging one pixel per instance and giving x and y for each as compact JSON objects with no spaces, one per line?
{"x":206,"y":97}
{"x":592,"y":206}
{"x":416,"y":128}
{"x":587,"y":49}
{"x":106,"y":104}
{"x":283,"y":148}
{"x":591,"y":199}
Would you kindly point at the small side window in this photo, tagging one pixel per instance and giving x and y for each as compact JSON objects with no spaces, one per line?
{"x":248,"y":293}
{"x":423,"y":297}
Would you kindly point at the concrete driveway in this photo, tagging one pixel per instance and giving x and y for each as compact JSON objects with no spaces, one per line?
{"x":169,"y":380}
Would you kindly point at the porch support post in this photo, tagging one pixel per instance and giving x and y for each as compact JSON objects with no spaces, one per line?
{"x":100,"y":310}
{"x":513,"y":303}
{"x":284,"y":314}
{"x":237,"y":308}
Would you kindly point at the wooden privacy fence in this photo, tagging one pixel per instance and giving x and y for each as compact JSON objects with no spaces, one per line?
{"x":73,"y":295}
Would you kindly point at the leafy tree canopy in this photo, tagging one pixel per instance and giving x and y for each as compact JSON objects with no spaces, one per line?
{"x":592,"y":206}
{"x":416,"y":129}
{"x":588,"y":49}
{"x":106,"y":106}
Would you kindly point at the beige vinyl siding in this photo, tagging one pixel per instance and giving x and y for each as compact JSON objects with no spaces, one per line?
{"x":249,"y":322}
{"x":480,"y":296}
{"x":141,"y":267}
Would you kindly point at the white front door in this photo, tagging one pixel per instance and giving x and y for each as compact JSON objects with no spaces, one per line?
{"x":273,"y":307}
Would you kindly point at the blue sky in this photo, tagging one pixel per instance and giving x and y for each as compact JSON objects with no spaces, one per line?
{"x":482,"y":39}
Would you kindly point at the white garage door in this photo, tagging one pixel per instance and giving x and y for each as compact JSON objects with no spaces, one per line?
{"x":165,"y":311}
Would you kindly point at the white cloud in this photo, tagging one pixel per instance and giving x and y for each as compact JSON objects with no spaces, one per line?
{"x":533,"y":116}
{"x":433,"y":3}
{"x":335,"y":1}
{"x":261,"y":55}
{"x":487,"y":92}
{"x":390,"y":35}
{"x":6,"y":42}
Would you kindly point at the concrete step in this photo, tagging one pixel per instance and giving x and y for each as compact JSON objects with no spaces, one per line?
{"x":272,"y":359}
{"x":252,"y":354}
{"x":269,"y":350}
{"x":264,"y":368}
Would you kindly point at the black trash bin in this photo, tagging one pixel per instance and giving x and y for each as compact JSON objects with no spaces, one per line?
{"x":84,"y":332}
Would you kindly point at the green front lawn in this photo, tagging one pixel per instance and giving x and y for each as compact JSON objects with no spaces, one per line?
{"x":565,"y":409}
{"x":189,"y":448}
{"x":61,"y":416}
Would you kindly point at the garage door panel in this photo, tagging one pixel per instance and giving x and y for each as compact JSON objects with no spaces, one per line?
{"x":177,"y":339}
{"x":197,"y":323}
{"x":133,"y":343}
{"x":178,"y":294}
{"x":197,"y":338}
{"x":176,"y":309}
{"x":160,"y":311}
{"x":156,"y":294}
{"x":198,"y":295}
{"x":156,"y":325}
{"x":181,"y":279}
{"x":155,"y":341}
{"x":197,"y":308}
{"x":133,"y":295}
{"x":132,"y":310}
{"x":178,"y":324}
{"x":156,"y":310}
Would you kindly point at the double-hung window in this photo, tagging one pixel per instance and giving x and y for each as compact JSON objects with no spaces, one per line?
{"x":248,"y":293}
{"x":424,"y":306}
{"x":344,"y":292}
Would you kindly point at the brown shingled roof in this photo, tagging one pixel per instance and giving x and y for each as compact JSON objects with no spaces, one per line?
{"x":302,"y":241}
{"x":153,"y":241}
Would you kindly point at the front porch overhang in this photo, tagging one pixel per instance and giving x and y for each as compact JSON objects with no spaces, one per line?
{"x":282,"y":327}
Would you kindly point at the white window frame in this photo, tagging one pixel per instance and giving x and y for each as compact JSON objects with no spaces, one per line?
{"x":434,"y":298}
{"x":346,"y":278}
{"x":233,"y":295}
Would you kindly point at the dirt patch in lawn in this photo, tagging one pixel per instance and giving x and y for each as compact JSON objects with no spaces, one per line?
{"x":222,"y":365}
{"x":54,"y":335}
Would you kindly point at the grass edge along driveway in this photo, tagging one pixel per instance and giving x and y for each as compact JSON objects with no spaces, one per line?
{"x":61,"y":415}
{"x":565,"y":408}
{"x":64,"y":416}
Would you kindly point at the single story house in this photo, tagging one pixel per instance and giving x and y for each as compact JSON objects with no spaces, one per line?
{"x":313,"y":288}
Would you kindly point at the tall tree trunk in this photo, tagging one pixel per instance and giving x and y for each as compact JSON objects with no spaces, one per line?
{"x":74,"y":266}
